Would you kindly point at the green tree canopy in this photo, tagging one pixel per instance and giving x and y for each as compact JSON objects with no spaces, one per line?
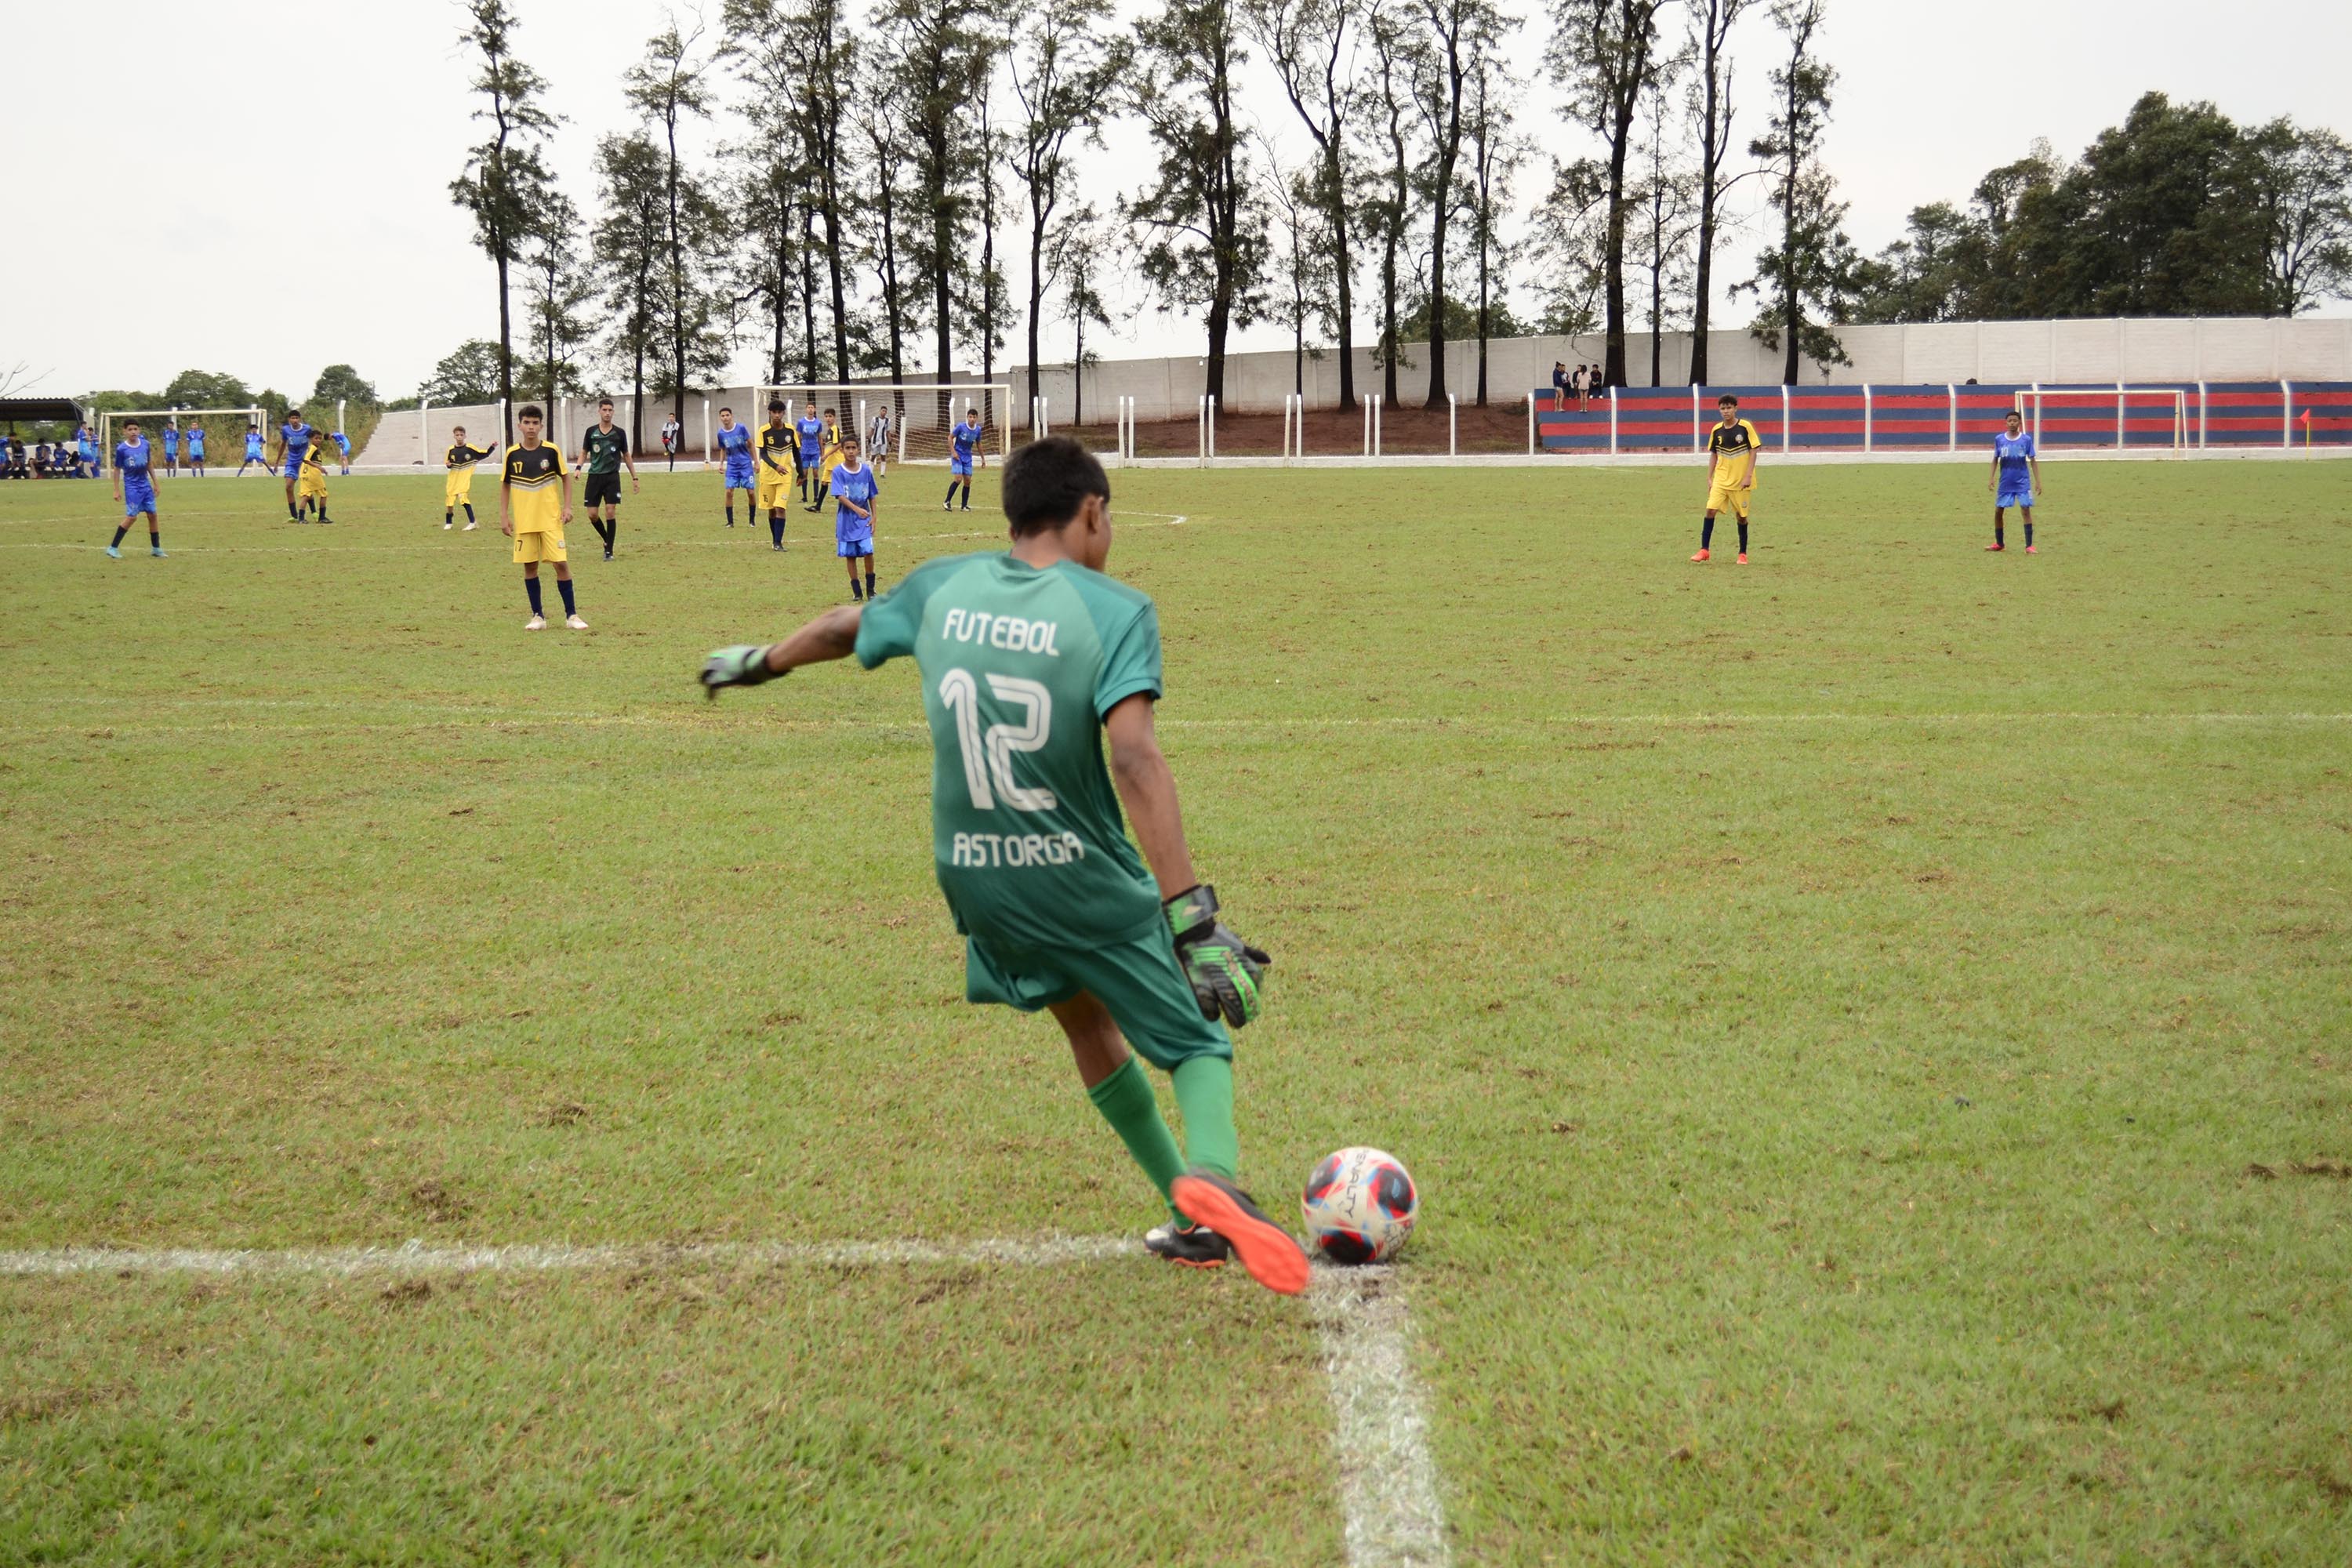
{"x":338,"y":382}
{"x":468,"y":373}
{"x":206,"y":389}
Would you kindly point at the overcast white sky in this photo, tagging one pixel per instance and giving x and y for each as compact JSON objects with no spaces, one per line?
{"x":201,"y":237}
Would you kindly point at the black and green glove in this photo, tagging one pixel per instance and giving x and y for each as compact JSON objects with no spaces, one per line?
{"x":745,"y":664}
{"x":1224,"y":969}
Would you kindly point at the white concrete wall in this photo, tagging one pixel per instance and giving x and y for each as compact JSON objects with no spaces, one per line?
{"x":1994,"y":353}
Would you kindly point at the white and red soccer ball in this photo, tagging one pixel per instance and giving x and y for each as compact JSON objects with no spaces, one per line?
{"x":1360,"y":1205}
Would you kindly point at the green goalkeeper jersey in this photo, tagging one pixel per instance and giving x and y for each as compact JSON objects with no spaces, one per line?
{"x":1019,"y":666}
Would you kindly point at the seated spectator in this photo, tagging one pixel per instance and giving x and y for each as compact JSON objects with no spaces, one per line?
{"x":12,"y":458}
{"x":40,"y":459}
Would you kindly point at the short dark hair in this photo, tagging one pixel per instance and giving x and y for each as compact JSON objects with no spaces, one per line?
{"x":603,"y":402}
{"x":1046,"y":482}
{"x":775,"y":405}
{"x":1726,"y":401}
{"x":724,"y":409}
{"x":2016,"y":413}
{"x":531,"y":411}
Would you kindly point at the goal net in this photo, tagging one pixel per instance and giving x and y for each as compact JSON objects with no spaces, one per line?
{"x":917,"y":419}
{"x":220,"y":432}
{"x":2141,"y":417}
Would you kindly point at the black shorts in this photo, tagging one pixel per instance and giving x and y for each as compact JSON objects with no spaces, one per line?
{"x":603,"y":490}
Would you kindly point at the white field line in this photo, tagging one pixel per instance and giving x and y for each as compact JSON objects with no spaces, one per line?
{"x":1167,"y":520}
{"x":1387,"y":1481}
{"x":415,"y":1257}
{"x":1388,"y":1484}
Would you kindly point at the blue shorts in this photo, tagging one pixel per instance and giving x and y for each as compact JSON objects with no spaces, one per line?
{"x":253,"y":455}
{"x":2022,"y":496}
{"x":293,"y":466}
{"x":960,"y":466}
{"x":852,"y":535}
{"x":805,"y":458}
{"x":137,"y":496}
{"x":195,"y":454}
{"x":738,"y":475}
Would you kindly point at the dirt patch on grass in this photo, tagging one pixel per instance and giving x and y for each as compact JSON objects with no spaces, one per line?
{"x":439,"y":1203}
{"x":48,"y":1403}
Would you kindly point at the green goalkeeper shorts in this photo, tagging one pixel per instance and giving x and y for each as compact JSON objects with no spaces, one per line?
{"x":1139,"y":980}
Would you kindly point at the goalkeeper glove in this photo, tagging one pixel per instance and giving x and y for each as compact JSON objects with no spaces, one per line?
{"x":745,"y":664}
{"x":1223,"y":969}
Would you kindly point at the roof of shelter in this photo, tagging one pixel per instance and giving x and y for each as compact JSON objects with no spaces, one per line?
{"x":19,"y":410}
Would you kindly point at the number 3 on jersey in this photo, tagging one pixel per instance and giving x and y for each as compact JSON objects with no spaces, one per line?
{"x":988,"y":756}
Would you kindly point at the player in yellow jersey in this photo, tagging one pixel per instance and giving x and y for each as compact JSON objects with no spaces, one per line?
{"x":776,"y":461}
{"x":534,"y":503}
{"x":459,"y":488}
{"x":827,"y":459}
{"x":312,"y":490}
{"x":1731,"y":452}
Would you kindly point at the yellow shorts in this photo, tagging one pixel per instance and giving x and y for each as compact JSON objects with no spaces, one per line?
{"x":460,"y":488}
{"x":1732,"y":499}
{"x":312,"y":483}
{"x":546,"y":545}
{"x":775,"y":490}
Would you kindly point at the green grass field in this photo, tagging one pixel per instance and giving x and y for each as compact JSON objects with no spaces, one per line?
{"x":1873,"y":1030}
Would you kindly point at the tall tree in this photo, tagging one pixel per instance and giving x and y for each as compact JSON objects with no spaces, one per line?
{"x":1711,"y":107}
{"x":878,"y":130}
{"x":2300,"y":190}
{"x":1399,"y":58}
{"x":1311,"y":45}
{"x":801,"y":60}
{"x":1812,"y":263}
{"x":1604,"y":56}
{"x":1459,"y":32}
{"x":1665,"y":201}
{"x":559,"y":291}
{"x":1208,"y":247}
{"x":1080,"y":258}
{"x":1496,"y":151}
{"x":939,"y":56}
{"x":1066,"y":73}
{"x":1301,"y":260}
{"x":634,"y":194}
{"x":504,"y":174}
{"x":668,"y":86}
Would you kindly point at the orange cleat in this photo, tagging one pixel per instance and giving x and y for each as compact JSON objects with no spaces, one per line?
{"x":1273,"y":1256}
{"x":1996,"y":547}
{"x":1742,"y":560}
{"x":1700,"y":556}
{"x":2030,"y":551}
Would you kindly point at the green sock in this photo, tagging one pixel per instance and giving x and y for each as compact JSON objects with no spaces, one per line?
{"x":1126,"y":1101}
{"x":1204,"y":1093}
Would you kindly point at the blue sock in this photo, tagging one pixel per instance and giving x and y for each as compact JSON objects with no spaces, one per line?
{"x":531,"y":587}
{"x":469,"y":511}
{"x":563,"y":587}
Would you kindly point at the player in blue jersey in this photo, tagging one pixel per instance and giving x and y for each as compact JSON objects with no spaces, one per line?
{"x":811,"y":431}
{"x":294,"y":439}
{"x":134,"y":487}
{"x":254,"y":457}
{"x":172,"y":450}
{"x":343,"y":444}
{"x":2016,"y":480}
{"x":857,"y":493}
{"x":196,"y":450}
{"x":966,"y":438}
{"x":86,"y":449}
{"x":735,"y":458}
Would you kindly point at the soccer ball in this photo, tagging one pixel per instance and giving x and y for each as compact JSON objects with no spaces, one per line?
{"x":1359,"y":1204}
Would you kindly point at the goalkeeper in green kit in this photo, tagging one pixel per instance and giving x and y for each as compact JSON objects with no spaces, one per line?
{"x":1029,"y":657}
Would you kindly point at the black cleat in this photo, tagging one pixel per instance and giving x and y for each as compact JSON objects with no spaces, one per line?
{"x":1193,"y":1246}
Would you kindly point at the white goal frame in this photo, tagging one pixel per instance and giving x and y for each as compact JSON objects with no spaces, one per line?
{"x":110,"y":417}
{"x":992,"y":400}
{"x":2126,"y":399}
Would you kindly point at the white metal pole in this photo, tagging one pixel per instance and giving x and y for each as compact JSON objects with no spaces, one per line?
{"x":2037,"y":415}
{"x":1787,"y":416}
{"x":1380,"y":411}
{"x":2286,"y":415}
{"x":1952,"y":402}
{"x":1212,"y":429}
{"x":1370,"y":398}
{"x":1612,"y":421}
{"x":1695,"y":417}
{"x":1867,"y":432}
{"x":1453,"y":426}
{"x":1201,"y":429}
{"x":502,"y":422}
{"x":2122,"y":433}
{"x":705,"y":428}
{"x":2202,"y":416}
{"x":423,"y":438}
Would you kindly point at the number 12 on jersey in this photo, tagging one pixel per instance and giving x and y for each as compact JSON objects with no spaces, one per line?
{"x":988,"y":754}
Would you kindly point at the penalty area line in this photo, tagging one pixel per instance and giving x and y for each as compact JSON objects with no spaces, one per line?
{"x":1381,"y":1465}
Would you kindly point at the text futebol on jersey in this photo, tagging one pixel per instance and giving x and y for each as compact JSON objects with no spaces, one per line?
{"x":1008,"y":632}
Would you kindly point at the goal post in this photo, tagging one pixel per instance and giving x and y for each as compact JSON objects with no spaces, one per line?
{"x":921,"y":414}
{"x":224,"y":430}
{"x":2121,"y":417}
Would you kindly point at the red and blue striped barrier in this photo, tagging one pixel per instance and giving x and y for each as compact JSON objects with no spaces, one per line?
{"x":2152,"y":415}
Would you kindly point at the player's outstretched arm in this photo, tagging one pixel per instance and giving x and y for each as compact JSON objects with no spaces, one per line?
{"x":1224,"y":969}
{"x":833,"y":635}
